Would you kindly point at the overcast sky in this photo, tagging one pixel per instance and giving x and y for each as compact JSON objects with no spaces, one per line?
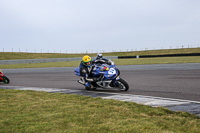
{"x":97,"y":25}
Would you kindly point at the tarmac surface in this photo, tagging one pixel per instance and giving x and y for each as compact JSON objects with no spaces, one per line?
{"x":175,"y":86}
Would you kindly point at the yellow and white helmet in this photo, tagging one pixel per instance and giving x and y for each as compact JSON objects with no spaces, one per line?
{"x":87,"y":60}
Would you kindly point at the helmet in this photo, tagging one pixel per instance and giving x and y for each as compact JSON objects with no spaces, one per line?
{"x":99,"y":56}
{"x":87,"y":61}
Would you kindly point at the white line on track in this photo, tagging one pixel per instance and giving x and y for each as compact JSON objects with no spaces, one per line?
{"x":140,"y":99}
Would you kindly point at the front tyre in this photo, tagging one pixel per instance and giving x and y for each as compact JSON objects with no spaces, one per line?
{"x":5,"y":80}
{"x":122,"y":85}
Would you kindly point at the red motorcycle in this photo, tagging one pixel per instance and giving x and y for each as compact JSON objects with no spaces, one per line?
{"x":3,"y":78}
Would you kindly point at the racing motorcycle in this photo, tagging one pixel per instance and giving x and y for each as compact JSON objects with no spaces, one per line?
{"x":3,"y":78}
{"x":107,"y":75}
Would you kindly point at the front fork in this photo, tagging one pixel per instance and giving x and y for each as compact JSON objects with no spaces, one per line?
{"x":115,"y":81}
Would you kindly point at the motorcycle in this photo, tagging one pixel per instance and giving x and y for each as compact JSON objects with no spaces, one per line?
{"x":3,"y":78}
{"x":107,"y":75}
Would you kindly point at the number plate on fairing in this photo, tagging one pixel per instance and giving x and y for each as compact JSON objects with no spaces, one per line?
{"x":112,"y":71}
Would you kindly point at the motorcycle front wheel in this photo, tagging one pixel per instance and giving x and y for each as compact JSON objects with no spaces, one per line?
{"x":5,"y":80}
{"x":122,"y":85}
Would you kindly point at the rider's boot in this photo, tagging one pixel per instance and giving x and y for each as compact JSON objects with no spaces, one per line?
{"x":88,"y":84}
{"x":81,"y":81}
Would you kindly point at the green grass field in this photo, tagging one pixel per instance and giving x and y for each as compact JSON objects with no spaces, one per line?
{"x":141,"y":61}
{"x":14,"y":55}
{"x":30,"y":111}
{"x":163,"y":60}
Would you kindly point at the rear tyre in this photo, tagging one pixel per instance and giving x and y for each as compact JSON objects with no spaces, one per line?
{"x":5,"y":80}
{"x":122,"y":85}
{"x":90,"y":89}
{"x":87,"y":88}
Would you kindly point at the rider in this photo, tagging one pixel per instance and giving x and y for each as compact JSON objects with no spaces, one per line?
{"x":100,"y":59}
{"x":85,"y":71}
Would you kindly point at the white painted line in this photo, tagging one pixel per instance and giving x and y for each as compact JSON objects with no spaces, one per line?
{"x":165,"y":103}
{"x":151,"y":101}
{"x":151,"y":97}
{"x":141,"y":99}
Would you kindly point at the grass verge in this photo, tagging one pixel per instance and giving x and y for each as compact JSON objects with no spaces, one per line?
{"x":141,"y":61}
{"x":17,"y":55}
{"x":30,"y":111}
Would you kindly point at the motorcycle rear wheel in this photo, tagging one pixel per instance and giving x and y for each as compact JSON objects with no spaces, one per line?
{"x":5,"y":80}
{"x":89,"y":88}
{"x":123,"y":85}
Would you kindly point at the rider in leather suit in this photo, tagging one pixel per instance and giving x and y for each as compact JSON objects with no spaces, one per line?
{"x":85,"y":71}
{"x":86,"y":67}
{"x":101,"y":60}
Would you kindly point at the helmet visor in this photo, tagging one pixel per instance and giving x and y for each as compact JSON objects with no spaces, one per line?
{"x":88,"y":63}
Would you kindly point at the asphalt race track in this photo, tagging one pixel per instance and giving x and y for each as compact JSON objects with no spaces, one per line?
{"x":178,"y":81}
